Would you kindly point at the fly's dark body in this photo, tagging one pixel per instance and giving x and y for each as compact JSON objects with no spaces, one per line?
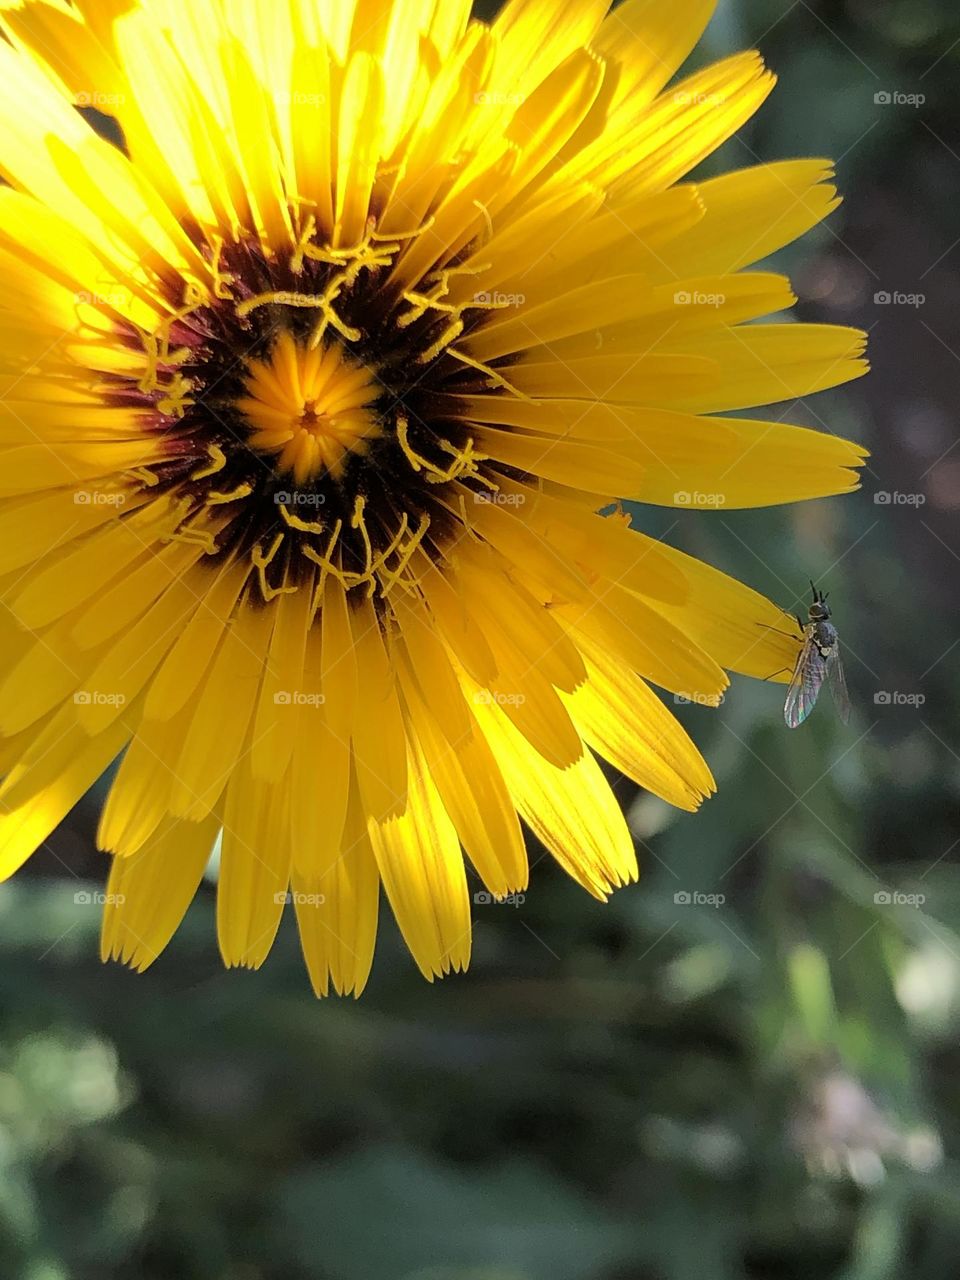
{"x":819,"y":661}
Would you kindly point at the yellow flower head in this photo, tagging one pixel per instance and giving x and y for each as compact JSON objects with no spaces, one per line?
{"x":313,"y":388}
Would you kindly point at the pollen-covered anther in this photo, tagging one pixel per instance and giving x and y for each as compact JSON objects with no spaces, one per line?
{"x":309,"y":407}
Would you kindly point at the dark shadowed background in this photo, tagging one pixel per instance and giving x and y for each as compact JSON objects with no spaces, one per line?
{"x":746,"y":1066}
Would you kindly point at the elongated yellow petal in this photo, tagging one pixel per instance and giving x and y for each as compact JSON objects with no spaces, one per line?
{"x":422,"y":870}
{"x":148,"y":893}
{"x":624,"y":720}
{"x":473,"y":793}
{"x":320,"y":770}
{"x":254,"y":869}
{"x":378,"y":737}
{"x":572,"y":810}
{"x":336,"y":908}
{"x":51,"y":789}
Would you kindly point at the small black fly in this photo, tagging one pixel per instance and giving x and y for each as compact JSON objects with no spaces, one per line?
{"x":819,"y":662}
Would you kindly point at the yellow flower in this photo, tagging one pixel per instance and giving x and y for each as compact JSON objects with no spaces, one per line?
{"x":313,"y":393}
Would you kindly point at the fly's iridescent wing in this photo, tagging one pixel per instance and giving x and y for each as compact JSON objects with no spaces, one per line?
{"x":838,"y":684}
{"x":808,"y":677}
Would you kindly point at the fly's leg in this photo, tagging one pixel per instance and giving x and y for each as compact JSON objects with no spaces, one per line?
{"x":778,"y":632}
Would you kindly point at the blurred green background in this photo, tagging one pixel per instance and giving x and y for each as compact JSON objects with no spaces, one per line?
{"x":761,"y":1084}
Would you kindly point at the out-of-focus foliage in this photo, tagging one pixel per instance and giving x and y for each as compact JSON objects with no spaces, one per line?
{"x":745,"y":1067}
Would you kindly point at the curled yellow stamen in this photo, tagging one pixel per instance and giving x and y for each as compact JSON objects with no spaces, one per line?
{"x":306,"y":235}
{"x":404,"y":235}
{"x":194,"y":536}
{"x":450,"y":334}
{"x":357,"y":522}
{"x":176,"y":401}
{"x":218,"y":460}
{"x":281,"y":298}
{"x":261,"y":562}
{"x":464,"y":462}
{"x":243,"y":490}
{"x":221,"y":279}
{"x":294,"y":521}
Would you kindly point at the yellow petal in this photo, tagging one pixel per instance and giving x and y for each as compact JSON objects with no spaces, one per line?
{"x":254,"y":869}
{"x":148,"y":893}
{"x":621,"y":717}
{"x":421,"y":865}
{"x":572,"y":811}
{"x":337,"y":909}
